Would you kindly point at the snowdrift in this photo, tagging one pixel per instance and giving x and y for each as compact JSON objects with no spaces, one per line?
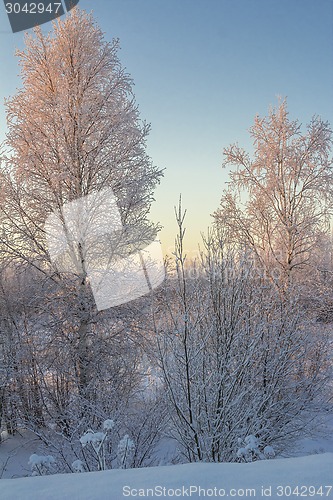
{"x":310,"y":476}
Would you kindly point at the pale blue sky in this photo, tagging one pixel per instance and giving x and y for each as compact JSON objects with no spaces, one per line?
{"x":202,"y":70}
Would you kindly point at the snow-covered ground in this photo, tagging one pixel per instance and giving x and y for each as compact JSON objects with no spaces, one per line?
{"x":310,"y":476}
{"x":15,"y":452}
{"x":322,"y":442}
{"x":277,"y":478}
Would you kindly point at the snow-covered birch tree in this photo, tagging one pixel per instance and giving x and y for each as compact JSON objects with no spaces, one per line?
{"x":278,"y":200}
{"x":73,"y":129}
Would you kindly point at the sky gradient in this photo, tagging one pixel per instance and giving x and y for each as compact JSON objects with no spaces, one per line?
{"x":202,"y":70}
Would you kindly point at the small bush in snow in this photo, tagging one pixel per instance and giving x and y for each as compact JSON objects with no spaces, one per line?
{"x":125,"y":452}
{"x":269,"y":452}
{"x":78,"y":466}
{"x":93,"y":438}
{"x":252,"y":450}
{"x":41,"y":464}
{"x":108,"y":424}
{"x":97,"y":441}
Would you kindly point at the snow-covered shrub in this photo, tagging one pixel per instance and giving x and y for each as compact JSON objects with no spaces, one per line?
{"x":41,"y":464}
{"x":269,"y":452}
{"x":96,"y":440}
{"x":78,"y":466}
{"x":125,"y":452}
{"x":252,"y":449}
{"x":108,"y":424}
{"x":235,"y":354}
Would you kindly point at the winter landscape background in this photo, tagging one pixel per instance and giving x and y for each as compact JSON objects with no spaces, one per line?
{"x":214,"y":368}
